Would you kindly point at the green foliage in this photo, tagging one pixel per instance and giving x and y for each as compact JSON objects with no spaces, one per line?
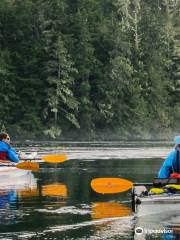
{"x":53,"y":132}
{"x":60,"y":80}
{"x":94,"y":68}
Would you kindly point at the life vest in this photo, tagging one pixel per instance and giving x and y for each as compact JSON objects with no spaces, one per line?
{"x":178,"y":161}
{"x":177,"y":173}
{"x":3,"y":156}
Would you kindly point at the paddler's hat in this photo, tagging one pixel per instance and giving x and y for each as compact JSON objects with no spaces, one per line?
{"x":177,"y":140}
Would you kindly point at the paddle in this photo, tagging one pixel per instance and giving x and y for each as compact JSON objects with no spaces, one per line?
{"x":54,"y":158}
{"x":28,"y":166}
{"x":113,"y":185}
{"x":110,"y":185}
{"x":22,"y":165}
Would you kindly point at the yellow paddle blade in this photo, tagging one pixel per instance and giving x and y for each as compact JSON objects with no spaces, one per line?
{"x":175,"y":186}
{"x":110,"y":185}
{"x":156,"y":190}
{"x":28,"y":166}
{"x":56,"y":189}
{"x":109,"y":210}
{"x":55,"y":158}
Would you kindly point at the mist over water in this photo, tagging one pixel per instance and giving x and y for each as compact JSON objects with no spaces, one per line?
{"x":58,"y":203}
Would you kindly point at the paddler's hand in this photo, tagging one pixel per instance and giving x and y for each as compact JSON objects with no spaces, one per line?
{"x":22,"y":155}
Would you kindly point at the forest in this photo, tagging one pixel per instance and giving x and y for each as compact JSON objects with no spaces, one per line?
{"x":90,"y":69}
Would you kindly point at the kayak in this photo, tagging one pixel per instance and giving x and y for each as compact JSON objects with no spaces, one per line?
{"x":14,"y":178}
{"x":8,"y":166}
{"x":10,"y":170}
{"x":7,"y":169}
{"x":10,"y":175}
{"x":146,"y":203}
{"x":155,"y":204}
{"x":156,"y":213}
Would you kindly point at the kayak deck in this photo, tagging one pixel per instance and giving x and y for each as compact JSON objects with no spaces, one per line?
{"x":163,"y":198}
{"x":146,"y":203}
{"x":154,"y":208}
{"x":7,"y":169}
{"x":10,"y":171}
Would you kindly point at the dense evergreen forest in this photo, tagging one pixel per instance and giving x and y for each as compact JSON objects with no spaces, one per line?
{"x":90,"y":69}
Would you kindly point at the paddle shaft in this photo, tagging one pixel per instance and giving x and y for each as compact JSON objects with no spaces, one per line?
{"x":143,"y":184}
{"x":28,"y":165}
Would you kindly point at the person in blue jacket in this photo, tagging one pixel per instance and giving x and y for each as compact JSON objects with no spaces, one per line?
{"x":172,"y":162}
{"x":6,"y":151}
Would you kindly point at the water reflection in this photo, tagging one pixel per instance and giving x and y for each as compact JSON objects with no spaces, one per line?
{"x":6,"y":198}
{"x":7,"y":215}
{"x":102,"y":210}
{"x":55,"y":189}
{"x":47,"y":190}
{"x":13,"y":184}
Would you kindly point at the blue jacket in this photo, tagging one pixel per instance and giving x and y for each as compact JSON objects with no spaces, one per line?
{"x":11,"y":153}
{"x":169,"y":166}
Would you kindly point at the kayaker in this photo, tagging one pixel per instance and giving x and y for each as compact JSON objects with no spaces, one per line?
{"x":171,"y":166}
{"x":6,"y":151}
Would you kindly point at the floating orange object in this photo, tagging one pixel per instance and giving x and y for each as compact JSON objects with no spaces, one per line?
{"x":55,"y":158}
{"x":109,"y":210}
{"x":110,"y":185}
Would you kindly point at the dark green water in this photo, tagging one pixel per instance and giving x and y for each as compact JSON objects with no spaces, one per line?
{"x":58,"y":203}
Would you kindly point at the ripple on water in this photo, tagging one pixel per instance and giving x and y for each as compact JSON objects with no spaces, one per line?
{"x":65,"y":210}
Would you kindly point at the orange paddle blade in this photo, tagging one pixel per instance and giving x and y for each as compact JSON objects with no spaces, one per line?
{"x":55,"y":158}
{"x":28,"y":166}
{"x":109,"y":210}
{"x":110,"y":185}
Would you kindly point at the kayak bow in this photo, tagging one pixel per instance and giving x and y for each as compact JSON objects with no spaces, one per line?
{"x":145,"y":203}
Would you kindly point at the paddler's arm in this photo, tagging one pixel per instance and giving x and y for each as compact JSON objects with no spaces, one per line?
{"x":12,"y":155}
{"x":166,"y":168}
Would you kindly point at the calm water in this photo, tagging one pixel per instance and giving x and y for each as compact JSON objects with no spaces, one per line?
{"x":58,"y":203}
